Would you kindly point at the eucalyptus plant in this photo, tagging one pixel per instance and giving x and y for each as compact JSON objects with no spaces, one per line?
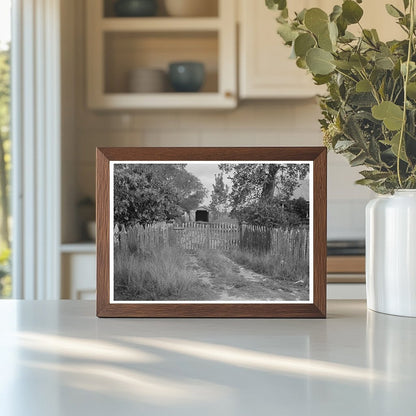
{"x":369,"y":112}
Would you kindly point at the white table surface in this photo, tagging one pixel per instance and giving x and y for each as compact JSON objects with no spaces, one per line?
{"x":57,"y":358}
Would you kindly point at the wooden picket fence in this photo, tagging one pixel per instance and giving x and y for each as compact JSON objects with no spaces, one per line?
{"x":217,"y":236}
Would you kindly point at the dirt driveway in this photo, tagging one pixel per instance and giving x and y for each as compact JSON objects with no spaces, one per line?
{"x":238,"y":283}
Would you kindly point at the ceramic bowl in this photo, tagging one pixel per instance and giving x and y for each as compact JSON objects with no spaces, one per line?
{"x":186,"y":76}
{"x":147,"y":80}
{"x":135,"y":8}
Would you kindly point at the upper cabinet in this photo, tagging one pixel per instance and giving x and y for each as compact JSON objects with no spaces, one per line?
{"x":128,"y":58}
{"x":265,"y":68}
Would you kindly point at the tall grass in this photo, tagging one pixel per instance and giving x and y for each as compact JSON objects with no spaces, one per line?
{"x":221,"y":268}
{"x":287,"y":268}
{"x":216,"y":263}
{"x":157,"y":274}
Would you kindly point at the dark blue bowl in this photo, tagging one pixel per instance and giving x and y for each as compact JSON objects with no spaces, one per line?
{"x":135,"y":8}
{"x":186,"y":76}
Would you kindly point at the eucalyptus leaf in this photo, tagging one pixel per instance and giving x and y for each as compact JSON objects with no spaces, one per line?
{"x":412,"y":68}
{"x":320,"y":61}
{"x":342,"y":25}
{"x":394,"y":145}
{"x":375,"y":35}
{"x":333,"y":32}
{"x":368,"y":36}
{"x":358,"y":160}
{"x":316,"y":20}
{"x":374,"y":150}
{"x":345,"y":65}
{"x":388,"y":112}
{"x":354,"y":132}
{"x":276,"y":4}
{"x":374,"y":174}
{"x":358,"y":61}
{"x":411,"y":90}
{"x":351,"y":11}
{"x":301,"y":15}
{"x":365,"y":182}
{"x":287,"y":33}
{"x":336,"y":12}
{"x":385,"y":62}
{"x":347,"y":37}
{"x":393,"y":11}
{"x":325,"y":42}
{"x":303,"y":43}
{"x":343,"y":145}
{"x":301,"y":63}
{"x":321,"y":79}
{"x":363,"y":86}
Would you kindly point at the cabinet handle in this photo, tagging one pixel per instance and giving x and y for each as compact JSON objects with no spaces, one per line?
{"x":229,"y":94}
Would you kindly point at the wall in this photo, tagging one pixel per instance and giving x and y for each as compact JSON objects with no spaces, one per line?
{"x":254,"y":123}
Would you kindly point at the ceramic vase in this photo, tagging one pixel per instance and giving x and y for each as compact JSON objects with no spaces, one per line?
{"x":391,"y":253}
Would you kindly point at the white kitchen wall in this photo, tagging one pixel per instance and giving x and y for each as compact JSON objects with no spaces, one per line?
{"x":253,"y":123}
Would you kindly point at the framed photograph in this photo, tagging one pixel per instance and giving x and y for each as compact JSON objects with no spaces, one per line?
{"x":211,"y":232}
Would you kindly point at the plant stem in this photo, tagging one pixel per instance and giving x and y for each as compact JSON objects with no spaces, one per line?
{"x":346,"y":75}
{"x":405,"y":81}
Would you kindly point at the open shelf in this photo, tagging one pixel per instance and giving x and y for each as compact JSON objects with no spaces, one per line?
{"x":119,"y":45}
{"x":167,"y":100}
{"x":126,"y":51}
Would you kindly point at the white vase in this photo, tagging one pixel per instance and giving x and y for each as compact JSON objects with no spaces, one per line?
{"x":391,"y":253}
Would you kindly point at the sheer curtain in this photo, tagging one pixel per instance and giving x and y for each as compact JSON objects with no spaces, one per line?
{"x":36,"y":143}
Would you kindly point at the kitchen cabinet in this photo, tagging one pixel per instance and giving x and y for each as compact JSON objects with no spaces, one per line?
{"x":265,"y":70}
{"x":78,"y":271}
{"x":118,"y":45}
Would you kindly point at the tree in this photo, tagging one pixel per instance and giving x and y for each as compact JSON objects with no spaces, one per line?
{"x":148,"y":193}
{"x":188,"y":187}
{"x":260,"y":190}
{"x":4,"y":143}
{"x":219,"y":195}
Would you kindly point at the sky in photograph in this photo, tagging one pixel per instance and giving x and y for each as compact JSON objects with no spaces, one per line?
{"x":206,"y":174}
{"x":5,"y":19}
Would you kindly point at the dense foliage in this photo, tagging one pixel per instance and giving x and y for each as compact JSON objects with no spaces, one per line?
{"x":149,"y":193}
{"x":260,"y":193}
{"x":369,"y":113}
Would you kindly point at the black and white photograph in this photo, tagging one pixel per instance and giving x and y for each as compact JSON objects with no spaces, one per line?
{"x":211,"y":232}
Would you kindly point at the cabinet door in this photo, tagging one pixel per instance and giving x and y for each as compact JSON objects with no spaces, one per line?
{"x":265,"y":68}
{"x":78,"y":276}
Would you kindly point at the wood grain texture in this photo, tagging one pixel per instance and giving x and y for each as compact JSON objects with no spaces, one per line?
{"x":317,"y":309}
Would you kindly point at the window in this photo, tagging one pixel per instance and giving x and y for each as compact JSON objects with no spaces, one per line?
{"x":5,"y":147}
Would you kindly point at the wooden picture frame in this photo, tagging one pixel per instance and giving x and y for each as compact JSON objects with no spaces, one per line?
{"x":314,"y":307}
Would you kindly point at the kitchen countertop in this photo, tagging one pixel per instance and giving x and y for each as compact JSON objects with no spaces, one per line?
{"x":57,"y":358}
